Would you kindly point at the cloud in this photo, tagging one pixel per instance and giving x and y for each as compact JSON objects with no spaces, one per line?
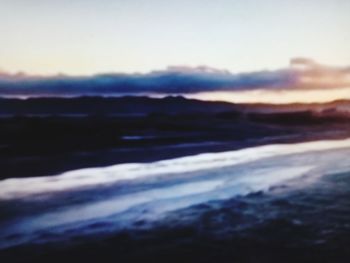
{"x":303,"y":73}
{"x":312,"y":75}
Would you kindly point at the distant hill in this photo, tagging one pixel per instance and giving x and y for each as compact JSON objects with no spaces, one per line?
{"x":111,"y":106}
{"x":131,"y":105}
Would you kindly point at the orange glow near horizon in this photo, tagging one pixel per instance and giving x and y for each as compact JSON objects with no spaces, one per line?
{"x":275,"y":96}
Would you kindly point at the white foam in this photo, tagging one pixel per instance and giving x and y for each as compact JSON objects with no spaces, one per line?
{"x":186,"y":186}
{"x":74,"y":180}
{"x":152,"y":203}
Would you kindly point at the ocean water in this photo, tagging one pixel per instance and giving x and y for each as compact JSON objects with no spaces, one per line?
{"x":288,"y":187}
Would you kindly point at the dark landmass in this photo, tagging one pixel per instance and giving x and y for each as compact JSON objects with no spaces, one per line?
{"x":109,"y":106}
{"x":46,"y":136}
{"x":138,"y":105}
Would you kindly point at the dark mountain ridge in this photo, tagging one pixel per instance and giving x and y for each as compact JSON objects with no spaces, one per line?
{"x":141,"y":105}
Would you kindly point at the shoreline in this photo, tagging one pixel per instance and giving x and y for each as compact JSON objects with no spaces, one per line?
{"x":54,"y":165}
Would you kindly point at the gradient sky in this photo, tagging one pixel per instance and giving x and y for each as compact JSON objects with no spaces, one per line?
{"x":94,"y":36}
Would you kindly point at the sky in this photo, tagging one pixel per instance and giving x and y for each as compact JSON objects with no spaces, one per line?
{"x":88,"y":37}
{"x":82,"y":37}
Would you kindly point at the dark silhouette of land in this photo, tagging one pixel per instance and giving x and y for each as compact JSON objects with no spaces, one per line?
{"x":46,"y":136}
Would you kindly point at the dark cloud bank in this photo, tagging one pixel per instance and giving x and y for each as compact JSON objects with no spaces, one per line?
{"x":302,"y":73}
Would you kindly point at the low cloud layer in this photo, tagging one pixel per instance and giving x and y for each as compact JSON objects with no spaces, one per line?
{"x":313,"y":75}
{"x":302,"y":74}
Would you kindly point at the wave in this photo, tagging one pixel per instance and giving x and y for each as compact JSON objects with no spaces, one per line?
{"x":124,"y":194}
{"x":18,"y":187}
